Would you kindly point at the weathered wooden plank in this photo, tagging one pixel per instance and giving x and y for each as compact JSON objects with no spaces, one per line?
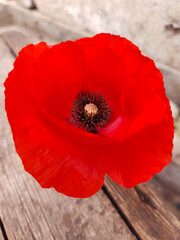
{"x":5,"y":16}
{"x":1,"y":236}
{"x":167,"y":182}
{"x":42,"y":25}
{"x":172,"y":82}
{"x":169,"y":194}
{"x":30,"y":212}
{"x":145,"y":211}
{"x":170,"y":176}
{"x":13,"y":40}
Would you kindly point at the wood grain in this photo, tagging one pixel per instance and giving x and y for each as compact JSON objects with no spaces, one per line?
{"x":145,"y":211}
{"x":29,"y":212}
{"x":169,"y":195}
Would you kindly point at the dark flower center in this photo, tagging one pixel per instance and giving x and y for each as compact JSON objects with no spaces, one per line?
{"x":91,"y":111}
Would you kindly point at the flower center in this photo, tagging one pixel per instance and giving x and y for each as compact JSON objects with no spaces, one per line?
{"x":91,"y":111}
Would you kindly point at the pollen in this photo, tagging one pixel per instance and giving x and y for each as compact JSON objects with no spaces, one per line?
{"x":90,"y":109}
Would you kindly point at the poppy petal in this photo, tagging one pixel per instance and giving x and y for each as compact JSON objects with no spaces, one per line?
{"x":139,"y":157}
{"x":132,"y":82}
{"x":52,"y":158}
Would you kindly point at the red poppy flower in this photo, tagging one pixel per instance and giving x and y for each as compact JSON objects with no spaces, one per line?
{"x":80,"y":110}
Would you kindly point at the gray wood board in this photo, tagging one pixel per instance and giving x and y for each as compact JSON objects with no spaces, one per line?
{"x":145,"y":211}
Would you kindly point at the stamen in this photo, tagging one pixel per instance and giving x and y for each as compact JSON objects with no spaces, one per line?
{"x":91,"y":111}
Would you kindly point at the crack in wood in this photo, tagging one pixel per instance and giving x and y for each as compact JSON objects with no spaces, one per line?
{"x":120,"y":211}
{"x":3,"y":230}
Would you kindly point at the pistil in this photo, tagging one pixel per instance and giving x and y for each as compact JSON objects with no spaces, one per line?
{"x":90,"y":110}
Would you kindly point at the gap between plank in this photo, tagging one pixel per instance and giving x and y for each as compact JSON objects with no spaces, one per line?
{"x":2,"y":228}
{"x":119,"y":210}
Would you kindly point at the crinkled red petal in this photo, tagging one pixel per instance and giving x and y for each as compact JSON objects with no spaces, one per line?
{"x":51,"y":157}
{"x":139,"y":157}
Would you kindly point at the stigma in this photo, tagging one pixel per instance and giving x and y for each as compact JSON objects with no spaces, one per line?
{"x":90,"y":110}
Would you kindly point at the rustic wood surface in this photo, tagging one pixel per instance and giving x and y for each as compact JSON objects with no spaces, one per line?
{"x":144,"y":211}
{"x":29,"y":212}
{"x":169,"y":194}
